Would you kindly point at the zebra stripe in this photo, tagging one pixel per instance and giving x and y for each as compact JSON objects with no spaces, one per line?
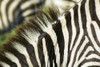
{"x":70,"y":41}
{"x":14,"y":12}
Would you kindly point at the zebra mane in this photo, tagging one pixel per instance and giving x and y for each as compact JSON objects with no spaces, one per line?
{"x":39,"y":23}
{"x":29,"y":31}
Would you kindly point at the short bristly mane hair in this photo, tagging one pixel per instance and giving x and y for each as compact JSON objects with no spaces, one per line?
{"x":28,"y":33}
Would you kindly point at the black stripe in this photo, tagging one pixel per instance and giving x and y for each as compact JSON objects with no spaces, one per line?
{"x":18,"y":18}
{"x":92,"y":9}
{"x":6,"y":60}
{"x":93,"y":52}
{"x":31,"y":53}
{"x":50,"y":49}
{"x":60,"y":39}
{"x":83,"y":14}
{"x":40,"y":50}
{"x":90,"y":60}
{"x":94,"y":35}
{"x":1,"y":65}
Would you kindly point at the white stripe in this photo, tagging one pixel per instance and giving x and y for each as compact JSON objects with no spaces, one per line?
{"x":97,"y":30}
{"x":27,"y":12}
{"x":36,"y":53}
{"x":73,"y":29}
{"x":48,"y":64}
{"x":3,"y":12}
{"x":93,"y":56}
{"x":1,"y":25}
{"x":4,"y":64}
{"x":53,"y":36}
{"x":45,"y":52}
{"x":88,"y":17}
{"x":53,"y":64}
{"x":21,"y":49}
{"x":29,"y":3}
{"x":77,"y":0}
{"x":13,"y":58}
{"x":31,"y":36}
{"x":57,"y":55}
{"x":91,"y":64}
{"x":97,"y":5}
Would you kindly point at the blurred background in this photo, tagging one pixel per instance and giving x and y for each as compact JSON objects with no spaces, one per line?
{"x":4,"y":37}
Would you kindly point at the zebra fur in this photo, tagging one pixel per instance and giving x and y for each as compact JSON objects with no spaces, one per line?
{"x":68,"y":40}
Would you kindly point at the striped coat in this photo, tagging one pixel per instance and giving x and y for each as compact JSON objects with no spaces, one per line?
{"x":68,"y":40}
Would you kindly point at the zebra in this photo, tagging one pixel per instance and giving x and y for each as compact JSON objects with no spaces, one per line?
{"x":14,"y":12}
{"x":54,"y":40}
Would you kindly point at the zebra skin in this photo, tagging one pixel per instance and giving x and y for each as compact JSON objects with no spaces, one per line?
{"x":14,"y":12}
{"x":53,"y":40}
